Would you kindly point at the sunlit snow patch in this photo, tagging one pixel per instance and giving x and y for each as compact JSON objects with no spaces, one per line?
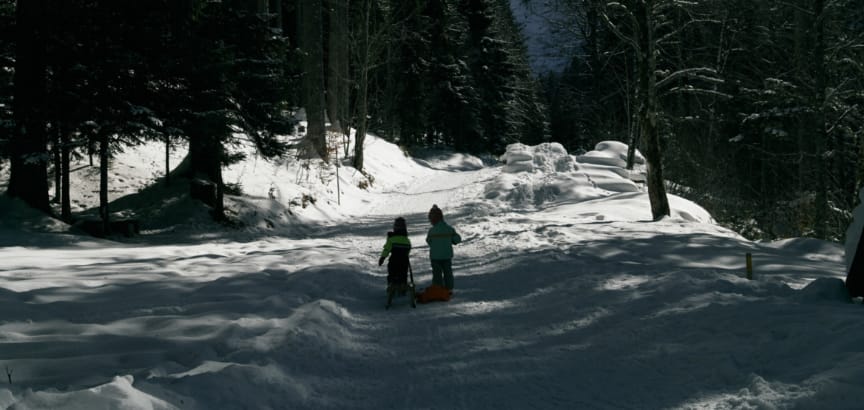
{"x":118,"y":394}
{"x":546,"y":174}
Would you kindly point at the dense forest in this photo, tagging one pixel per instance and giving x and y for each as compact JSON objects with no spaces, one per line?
{"x":755,"y":106}
{"x":752,"y":109}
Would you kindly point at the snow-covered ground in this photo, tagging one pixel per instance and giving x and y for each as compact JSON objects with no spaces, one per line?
{"x":567,"y":295}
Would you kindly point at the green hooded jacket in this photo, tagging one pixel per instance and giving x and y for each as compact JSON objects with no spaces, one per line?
{"x":441,"y":238}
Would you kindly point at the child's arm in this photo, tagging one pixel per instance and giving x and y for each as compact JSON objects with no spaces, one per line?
{"x":388,"y":246}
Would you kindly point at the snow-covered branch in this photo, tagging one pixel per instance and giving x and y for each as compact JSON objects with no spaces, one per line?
{"x":702,"y":73}
{"x":689,"y":89}
{"x":614,"y":28}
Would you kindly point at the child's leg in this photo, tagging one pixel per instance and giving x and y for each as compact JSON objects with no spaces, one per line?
{"x":397,"y":274}
{"x":448,"y":273}
{"x":437,"y":272}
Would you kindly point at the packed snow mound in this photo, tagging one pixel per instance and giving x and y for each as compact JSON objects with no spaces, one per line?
{"x":448,"y":161}
{"x":829,"y":290}
{"x":546,"y":157}
{"x":546,"y":173}
{"x":26,"y":217}
{"x":612,"y":153}
{"x":118,"y":394}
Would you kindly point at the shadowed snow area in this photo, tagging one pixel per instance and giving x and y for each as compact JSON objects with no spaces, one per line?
{"x":566,"y":295}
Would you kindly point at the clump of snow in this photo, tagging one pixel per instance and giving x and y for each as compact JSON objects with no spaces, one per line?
{"x":545,"y":158}
{"x":26,"y":217}
{"x":117,"y":394}
{"x":545,"y":174}
{"x":824,"y":290}
{"x":611,"y":153}
{"x":447,"y":161}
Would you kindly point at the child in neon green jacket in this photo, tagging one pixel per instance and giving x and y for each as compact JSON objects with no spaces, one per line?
{"x":441,"y":238}
{"x":398,"y":247}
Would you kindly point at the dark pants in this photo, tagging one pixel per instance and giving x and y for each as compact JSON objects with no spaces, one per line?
{"x":442,"y":273}
{"x":397,"y":274}
{"x":397,"y":268}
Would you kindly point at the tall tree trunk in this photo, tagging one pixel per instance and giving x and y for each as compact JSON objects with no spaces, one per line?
{"x":391,"y":96}
{"x":167,"y":159}
{"x":104,"y":213}
{"x":801,"y":54}
{"x":205,"y":154}
{"x":633,"y":130}
{"x":648,"y":110}
{"x":28,"y":179}
{"x":337,"y":98}
{"x":821,"y":135}
{"x":360,"y":137}
{"x":345,"y":72}
{"x":311,"y":44}
{"x":65,"y":151}
{"x":58,"y":164}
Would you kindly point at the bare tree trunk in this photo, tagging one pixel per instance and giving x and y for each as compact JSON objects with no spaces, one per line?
{"x":365,"y":51}
{"x":205,"y":154}
{"x":58,"y":165}
{"x":65,"y":151}
{"x":167,"y":159}
{"x":311,"y":43}
{"x":821,"y":134}
{"x":632,"y":120}
{"x":337,"y":98}
{"x":104,"y":213}
{"x":648,"y":110}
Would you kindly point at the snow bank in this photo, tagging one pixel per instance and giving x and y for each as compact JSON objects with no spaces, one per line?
{"x":546,"y":173}
{"x":118,"y":394}
{"x":830,"y":290}
{"x":297,"y":321}
{"x":611,"y":153}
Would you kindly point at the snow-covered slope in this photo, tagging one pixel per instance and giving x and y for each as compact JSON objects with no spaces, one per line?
{"x":567,"y":296}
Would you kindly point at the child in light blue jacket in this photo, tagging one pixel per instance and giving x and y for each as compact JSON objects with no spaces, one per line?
{"x":441,"y":238}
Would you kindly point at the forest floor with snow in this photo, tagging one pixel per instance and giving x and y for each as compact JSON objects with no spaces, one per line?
{"x":567,"y":295}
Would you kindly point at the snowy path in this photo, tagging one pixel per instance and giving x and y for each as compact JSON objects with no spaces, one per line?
{"x":581,"y":305}
{"x":301,"y":324}
{"x":418,"y":193}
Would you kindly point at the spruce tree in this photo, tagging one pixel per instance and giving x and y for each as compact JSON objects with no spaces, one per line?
{"x":236,"y":81}
{"x":28,"y":178}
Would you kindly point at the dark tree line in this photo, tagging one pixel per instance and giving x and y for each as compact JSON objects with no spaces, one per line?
{"x":754,"y":109}
{"x":93,"y":77}
{"x":440,"y":73}
{"x":757,"y":105}
{"x":462,"y":68}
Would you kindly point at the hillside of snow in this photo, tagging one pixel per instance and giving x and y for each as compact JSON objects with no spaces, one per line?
{"x":566,"y":296}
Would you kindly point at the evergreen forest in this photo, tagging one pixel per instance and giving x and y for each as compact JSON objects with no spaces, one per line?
{"x":753,"y":109}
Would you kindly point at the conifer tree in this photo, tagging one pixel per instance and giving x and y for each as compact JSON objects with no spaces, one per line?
{"x":236,"y":80}
{"x":28,"y":147}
